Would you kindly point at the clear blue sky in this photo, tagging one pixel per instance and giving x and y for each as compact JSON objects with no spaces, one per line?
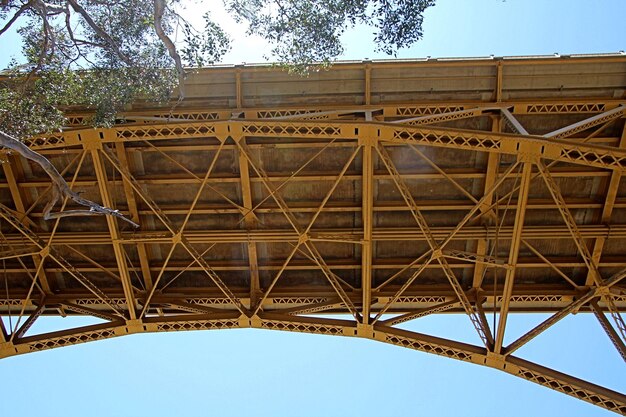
{"x":261,"y":373}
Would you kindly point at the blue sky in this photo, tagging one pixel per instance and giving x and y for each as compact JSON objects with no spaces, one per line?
{"x":462,"y":28}
{"x":261,"y":373}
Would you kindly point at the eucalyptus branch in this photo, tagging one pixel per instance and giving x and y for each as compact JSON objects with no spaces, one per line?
{"x":101,"y":32}
{"x":159,"y":11}
{"x":70,"y":32}
{"x":60,"y":188}
{"x":51,"y":9}
{"x":17,"y":14}
{"x":46,"y":40}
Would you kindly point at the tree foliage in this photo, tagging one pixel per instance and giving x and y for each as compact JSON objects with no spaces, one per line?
{"x":103,"y":55}
{"x":308,"y":32}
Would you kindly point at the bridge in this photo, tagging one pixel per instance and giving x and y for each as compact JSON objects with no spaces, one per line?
{"x":346,"y":203}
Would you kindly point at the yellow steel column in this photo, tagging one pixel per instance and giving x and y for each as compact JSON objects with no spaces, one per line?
{"x":20,"y":207}
{"x":522,"y":200}
{"x":113,"y":230}
{"x":607,"y":210}
{"x":142,"y":250}
{"x":493,"y":162}
{"x":367,"y":215}
{"x":250,"y":222}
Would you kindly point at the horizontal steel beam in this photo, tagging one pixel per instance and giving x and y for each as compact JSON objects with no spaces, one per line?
{"x":389,"y":111}
{"x":175,"y":179}
{"x":482,"y":141}
{"x":382,"y":207}
{"x":338,"y":234}
{"x":335,"y":264}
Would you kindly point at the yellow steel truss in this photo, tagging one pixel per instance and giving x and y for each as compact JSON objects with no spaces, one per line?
{"x":259,"y":216}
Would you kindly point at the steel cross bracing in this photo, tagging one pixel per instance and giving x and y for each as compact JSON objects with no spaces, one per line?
{"x":261,"y":217}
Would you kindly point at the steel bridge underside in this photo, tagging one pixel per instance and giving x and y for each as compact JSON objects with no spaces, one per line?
{"x":380,"y":191}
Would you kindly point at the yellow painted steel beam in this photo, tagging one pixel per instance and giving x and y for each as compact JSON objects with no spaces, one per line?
{"x":403,"y":318}
{"x":390,"y":110}
{"x":12,"y":183}
{"x":588,"y":123}
{"x":381,"y":206}
{"x":555,"y":318}
{"x":566,"y":384}
{"x":210,"y":144}
{"x":356,"y":223}
{"x":118,"y":248}
{"x":20,"y":252}
{"x":302,"y":236}
{"x":538,"y":147}
{"x":512,"y":122}
{"x":491,"y":173}
{"x":551,"y":264}
{"x":367,"y":218}
{"x":444,"y":117}
{"x":30,"y":320}
{"x":306,"y":294}
{"x":48,"y":251}
{"x":414,"y":302}
{"x":97,"y":267}
{"x":178,"y":238}
{"x":513,"y":254}
{"x":192,"y":308}
{"x":250,"y":221}
{"x":315,"y":114}
{"x":384,"y":264}
{"x":21,"y":209}
{"x":317,"y":307}
{"x":87,"y":311}
{"x":610,"y":198}
{"x":131,"y":202}
{"x":4,"y":336}
{"x":582,"y":247}
{"x":413,"y":174}
{"x":588,"y":231}
{"x":435,"y":252}
{"x":609,"y":330}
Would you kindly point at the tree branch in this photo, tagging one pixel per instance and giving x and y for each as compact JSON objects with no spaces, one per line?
{"x":107,"y":38}
{"x":60,"y":188}
{"x":48,"y":37}
{"x":70,"y":32}
{"x":159,"y":10}
{"x":51,"y":9}
{"x":17,"y":14}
